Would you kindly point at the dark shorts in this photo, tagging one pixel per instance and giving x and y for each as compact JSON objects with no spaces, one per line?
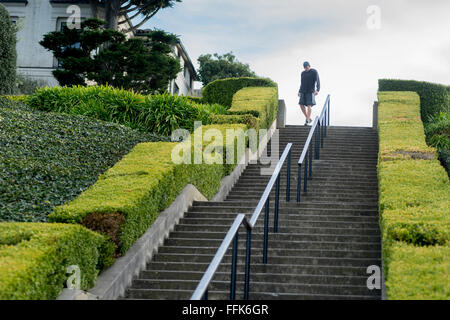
{"x":307,"y":99}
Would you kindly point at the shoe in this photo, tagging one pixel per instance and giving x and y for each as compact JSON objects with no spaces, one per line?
{"x":310,"y":120}
{"x":306,"y":122}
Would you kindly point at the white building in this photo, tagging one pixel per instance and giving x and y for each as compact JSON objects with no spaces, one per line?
{"x":35,"y":18}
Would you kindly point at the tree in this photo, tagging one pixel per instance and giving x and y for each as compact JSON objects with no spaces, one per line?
{"x":213,"y":67}
{"x":134,"y":9}
{"x":107,"y":57}
{"x":8,"y":54}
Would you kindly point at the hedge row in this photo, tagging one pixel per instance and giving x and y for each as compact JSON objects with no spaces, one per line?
{"x":222,"y":91}
{"x":414,"y":200}
{"x":125,"y":201}
{"x":35,"y":257}
{"x":433,"y":97}
{"x":48,"y":159}
{"x":260,"y":102}
{"x":159,"y":114}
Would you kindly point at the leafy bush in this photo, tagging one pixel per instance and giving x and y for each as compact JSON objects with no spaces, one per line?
{"x":434,"y":110}
{"x":401,"y":131}
{"x":8,"y":54}
{"x":47,"y":159}
{"x":260,"y":102}
{"x":222,"y":91}
{"x":35,"y":257}
{"x":433,"y":97}
{"x":159,"y":114}
{"x":414,"y":200}
{"x":418,"y":273}
{"x":142,"y":184}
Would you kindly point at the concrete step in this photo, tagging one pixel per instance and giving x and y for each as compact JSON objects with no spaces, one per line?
{"x":303,"y":288}
{"x":282,"y":236}
{"x":285,"y":221}
{"x":193,"y":250}
{"x":284,"y":228}
{"x":307,"y":245}
{"x":258,"y":277}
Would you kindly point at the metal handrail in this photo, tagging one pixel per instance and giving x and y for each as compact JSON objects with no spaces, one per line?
{"x":318,"y":131}
{"x":201,"y":292}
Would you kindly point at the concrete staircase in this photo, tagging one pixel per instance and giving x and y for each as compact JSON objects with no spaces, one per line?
{"x":323,"y":246}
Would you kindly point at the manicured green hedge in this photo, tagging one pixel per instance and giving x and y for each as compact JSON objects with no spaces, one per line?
{"x":418,"y":273}
{"x":260,"y":102}
{"x":222,"y":91}
{"x":34,"y":258}
{"x":142,"y":184}
{"x":47,"y":159}
{"x":401,"y":131}
{"x":159,"y":114}
{"x":414,"y":197}
{"x":433,"y":97}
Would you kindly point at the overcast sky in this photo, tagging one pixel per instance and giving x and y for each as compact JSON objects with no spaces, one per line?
{"x":276,"y":36}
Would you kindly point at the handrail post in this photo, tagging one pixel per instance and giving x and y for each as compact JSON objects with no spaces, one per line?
{"x":247,"y":264}
{"x":277,"y":204}
{"x":310,"y":161}
{"x":299,"y":181}
{"x":205,"y":295}
{"x":322,"y":135}
{"x":233,"y":268}
{"x":305,"y":176}
{"x":328,"y":112}
{"x":288,"y":182}
{"x":266,"y":231}
{"x":316,"y":141}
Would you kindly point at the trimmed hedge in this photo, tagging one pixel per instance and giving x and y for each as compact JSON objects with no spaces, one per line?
{"x":8,"y":54}
{"x":222,"y":91}
{"x":418,"y":273}
{"x":159,"y":114}
{"x":142,"y":184}
{"x":260,"y":102}
{"x":34,"y":258}
{"x":414,"y":200}
{"x":433,"y":97}
{"x":401,"y":132}
{"x":48,"y":159}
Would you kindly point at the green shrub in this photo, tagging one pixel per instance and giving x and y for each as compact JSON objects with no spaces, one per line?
{"x":195,"y":99}
{"x":222,"y":91}
{"x":48,"y":159}
{"x":418,"y":273}
{"x":34,"y":258}
{"x":433,"y":97}
{"x":260,"y":102}
{"x":8,"y":54}
{"x":142,"y":184}
{"x":414,"y":200}
{"x":27,"y":85}
{"x":159,"y":114}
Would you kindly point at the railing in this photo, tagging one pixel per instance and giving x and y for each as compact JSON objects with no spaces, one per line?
{"x":201,"y":292}
{"x":318,"y":132}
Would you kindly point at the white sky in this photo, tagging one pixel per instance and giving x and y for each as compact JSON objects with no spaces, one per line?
{"x":276,"y":36}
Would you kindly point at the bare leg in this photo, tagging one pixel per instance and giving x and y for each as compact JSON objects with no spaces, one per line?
{"x":309,"y":112}
{"x":304,"y":111}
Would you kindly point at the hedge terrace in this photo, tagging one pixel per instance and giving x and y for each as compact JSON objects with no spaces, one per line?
{"x":414,"y":199}
{"x":48,"y":159}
